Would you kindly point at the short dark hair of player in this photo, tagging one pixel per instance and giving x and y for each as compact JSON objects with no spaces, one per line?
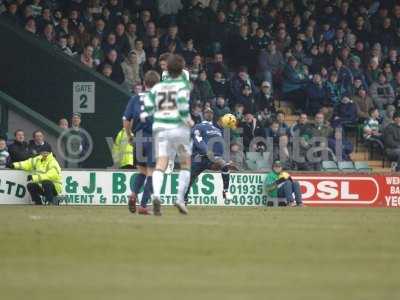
{"x":151,"y":78}
{"x":176,"y":63}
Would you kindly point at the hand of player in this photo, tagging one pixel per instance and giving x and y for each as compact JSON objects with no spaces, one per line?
{"x":143,"y":116}
{"x":190,"y":122}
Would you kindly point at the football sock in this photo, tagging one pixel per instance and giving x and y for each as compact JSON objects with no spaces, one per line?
{"x":225,"y":177}
{"x":186,"y":197}
{"x":139,"y":181}
{"x":158,"y":178}
{"x":148,"y":190}
{"x":183,"y":183}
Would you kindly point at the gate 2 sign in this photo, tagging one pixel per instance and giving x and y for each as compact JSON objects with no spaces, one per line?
{"x":83,"y":96}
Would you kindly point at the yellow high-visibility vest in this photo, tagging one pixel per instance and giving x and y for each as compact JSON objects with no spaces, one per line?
{"x":42,"y":170}
{"x":122,"y":150}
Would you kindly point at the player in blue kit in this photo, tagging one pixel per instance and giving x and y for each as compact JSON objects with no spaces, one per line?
{"x":208,"y":152}
{"x":134,"y":119}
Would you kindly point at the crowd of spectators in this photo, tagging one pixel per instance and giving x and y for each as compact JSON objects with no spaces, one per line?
{"x":335,"y":62}
{"x":20,"y":148}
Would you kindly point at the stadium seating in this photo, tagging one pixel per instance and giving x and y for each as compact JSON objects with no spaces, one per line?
{"x":251,"y":165}
{"x":362,"y":166}
{"x":346,"y":166}
{"x":329,"y":166}
{"x":263,"y":165}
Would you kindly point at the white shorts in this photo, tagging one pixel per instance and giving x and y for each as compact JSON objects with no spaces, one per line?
{"x":172,"y":142}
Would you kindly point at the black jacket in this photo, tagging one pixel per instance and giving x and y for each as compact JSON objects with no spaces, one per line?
{"x":250,"y":131}
{"x":117,"y":74}
{"x":19,"y":151}
{"x":36,"y":149}
{"x":391,"y":136}
{"x":265,"y":101}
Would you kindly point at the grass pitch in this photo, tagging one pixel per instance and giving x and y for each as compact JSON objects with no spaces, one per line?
{"x":214,"y":253}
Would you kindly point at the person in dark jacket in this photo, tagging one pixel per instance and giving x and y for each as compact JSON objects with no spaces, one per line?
{"x":240,"y":47}
{"x":357,"y":71}
{"x":19,"y":150}
{"x":80,"y":146}
{"x":333,"y":89}
{"x":217,"y":65}
{"x":11,"y":14}
{"x":313,"y":142}
{"x":38,"y":143}
{"x":270,"y":61}
{"x":219,"y":84}
{"x":219,"y":32}
{"x":237,"y":83}
{"x":301,"y":127}
{"x":341,"y":146}
{"x":122,"y":41}
{"x":345,"y":113}
{"x":171,"y":37}
{"x":345,"y":77}
{"x":220,"y":108}
{"x":110,"y":43}
{"x":316,"y":95}
{"x":391,"y":138}
{"x":117,"y":74}
{"x":283,"y":127}
{"x":279,"y":141}
{"x":202,"y":90}
{"x":251,"y":128}
{"x":265,"y":98}
{"x":248,"y":100}
{"x":150,"y":64}
{"x":189,"y":52}
{"x":295,"y":80}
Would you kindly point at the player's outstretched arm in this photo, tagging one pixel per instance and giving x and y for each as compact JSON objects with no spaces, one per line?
{"x":198,"y":141}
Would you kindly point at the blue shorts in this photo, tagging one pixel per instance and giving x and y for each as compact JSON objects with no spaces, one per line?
{"x":200,"y":165}
{"x":144,"y":155}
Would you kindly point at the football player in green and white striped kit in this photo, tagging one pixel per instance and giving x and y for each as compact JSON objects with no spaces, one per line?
{"x":165,"y":76}
{"x":168,"y":102}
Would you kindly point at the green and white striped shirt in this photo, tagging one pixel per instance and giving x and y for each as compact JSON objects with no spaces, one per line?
{"x":168,"y":102}
{"x":4,"y":157}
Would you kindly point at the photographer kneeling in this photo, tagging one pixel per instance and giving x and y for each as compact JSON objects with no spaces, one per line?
{"x":280,"y":184}
{"x":45,"y":177}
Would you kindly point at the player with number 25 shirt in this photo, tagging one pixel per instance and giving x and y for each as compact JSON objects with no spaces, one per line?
{"x":168,"y":102}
